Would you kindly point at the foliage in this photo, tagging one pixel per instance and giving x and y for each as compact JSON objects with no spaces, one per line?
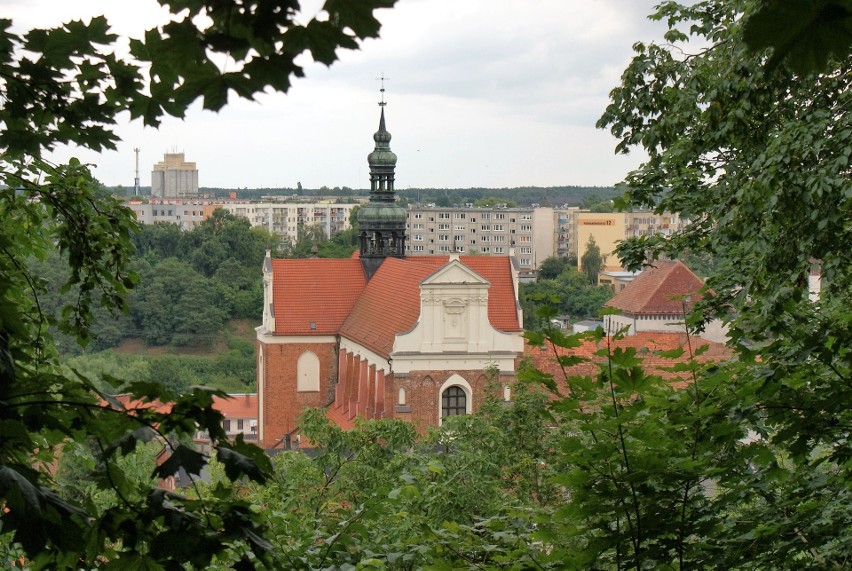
{"x":552,"y":267}
{"x":492,"y":201}
{"x":591,"y":261}
{"x":68,"y":85}
{"x":313,"y":239}
{"x":596,"y":203}
{"x":231,"y":369}
{"x":753,"y":147}
{"x":380,"y":497}
{"x":805,"y":36}
{"x":570,"y":293}
{"x":189,"y":284}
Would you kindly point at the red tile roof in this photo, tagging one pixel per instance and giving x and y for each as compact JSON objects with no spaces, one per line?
{"x":237,"y":405}
{"x":334,"y":294}
{"x":318,"y":291}
{"x":338,"y":417}
{"x":502,"y":304}
{"x":389,"y":305}
{"x":647,"y":343}
{"x":658,"y":290}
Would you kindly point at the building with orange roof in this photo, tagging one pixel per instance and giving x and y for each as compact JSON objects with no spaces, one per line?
{"x":383,"y":335}
{"x":240,"y":412}
{"x":657,"y":300}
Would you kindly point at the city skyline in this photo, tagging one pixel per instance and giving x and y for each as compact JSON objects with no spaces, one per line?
{"x":470,"y":101}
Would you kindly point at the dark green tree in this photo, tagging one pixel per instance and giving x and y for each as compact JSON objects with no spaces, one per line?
{"x":552,"y":267}
{"x":591,"y":261}
{"x":753,"y":147}
{"x":67,"y":85}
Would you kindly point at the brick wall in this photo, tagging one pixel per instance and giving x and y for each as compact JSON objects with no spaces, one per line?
{"x":282,"y":404}
{"x":423,"y":400}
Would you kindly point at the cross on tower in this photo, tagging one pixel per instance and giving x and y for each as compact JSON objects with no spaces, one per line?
{"x":382,"y":78}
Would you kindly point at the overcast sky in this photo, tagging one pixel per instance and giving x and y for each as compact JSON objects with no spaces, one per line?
{"x":487,"y":93}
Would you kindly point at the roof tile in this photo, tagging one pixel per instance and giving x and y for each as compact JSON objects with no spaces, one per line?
{"x":319,"y":291}
{"x":237,"y":405}
{"x":659,"y":290}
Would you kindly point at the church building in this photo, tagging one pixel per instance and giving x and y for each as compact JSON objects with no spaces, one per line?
{"x":382,"y":335}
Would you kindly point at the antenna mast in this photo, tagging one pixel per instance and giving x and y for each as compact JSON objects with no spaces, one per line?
{"x":136,"y":180}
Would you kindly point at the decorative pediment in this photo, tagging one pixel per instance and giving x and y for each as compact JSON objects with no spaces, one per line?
{"x":454,"y":273}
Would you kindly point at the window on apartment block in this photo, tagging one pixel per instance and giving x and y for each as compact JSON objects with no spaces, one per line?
{"x":443,"y":215}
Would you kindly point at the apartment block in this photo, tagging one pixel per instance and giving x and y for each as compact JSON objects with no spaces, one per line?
{"x":174,"y":177}
{"x":186,"y":214}
{"x":290,"y":219}
{"x":436,"y":230}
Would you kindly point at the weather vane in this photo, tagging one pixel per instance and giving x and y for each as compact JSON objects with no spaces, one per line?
{"x":382,"y":78}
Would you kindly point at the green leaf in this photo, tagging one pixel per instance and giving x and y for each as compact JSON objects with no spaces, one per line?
{"x":241,"y":459}
{"x":184,"y":458}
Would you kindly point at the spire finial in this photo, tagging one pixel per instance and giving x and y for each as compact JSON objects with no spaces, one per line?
{"x":382,"y":78}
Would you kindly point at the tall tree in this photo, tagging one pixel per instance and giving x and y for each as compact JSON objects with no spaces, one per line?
{"x":68,"y":85}
{"x":591,"y":262}
{"x":552,"y":267}
{"x":754,"y":149}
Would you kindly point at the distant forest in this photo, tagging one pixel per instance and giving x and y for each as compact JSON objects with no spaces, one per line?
{"x":523,"y":196}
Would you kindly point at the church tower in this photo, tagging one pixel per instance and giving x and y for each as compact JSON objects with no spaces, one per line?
{"x":381,"y":221}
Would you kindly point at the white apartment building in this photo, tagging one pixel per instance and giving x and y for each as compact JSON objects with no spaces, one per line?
{"x":530,"y":233}
{"x":186,"y":214}
{"x":289,"y":219}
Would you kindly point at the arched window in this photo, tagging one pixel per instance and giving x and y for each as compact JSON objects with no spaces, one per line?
{"x":455,"y":397}
{"x":401,"y":400}
{"x":308,"y":372}
{"x":453,"y":401}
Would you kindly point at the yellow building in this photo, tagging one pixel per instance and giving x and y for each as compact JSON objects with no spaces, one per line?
{"x":607,"y":228}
